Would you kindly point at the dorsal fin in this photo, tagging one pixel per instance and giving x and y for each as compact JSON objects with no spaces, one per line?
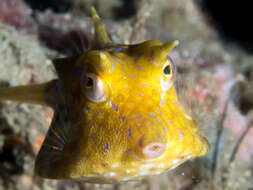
{"x":100,"y":32}
{"x":64,"y":66}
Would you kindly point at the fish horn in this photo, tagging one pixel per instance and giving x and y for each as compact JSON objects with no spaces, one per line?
{"x":161,"y":51}
{"x":33,"y":94}
{"x":100,"y":32}
{"x":167,"y":47}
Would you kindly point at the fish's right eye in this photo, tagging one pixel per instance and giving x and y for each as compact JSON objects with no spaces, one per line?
{"x":89,"y":82}
{"x":93,"y":87}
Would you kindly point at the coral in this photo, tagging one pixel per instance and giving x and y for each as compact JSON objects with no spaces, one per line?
{"x":16,"y":13}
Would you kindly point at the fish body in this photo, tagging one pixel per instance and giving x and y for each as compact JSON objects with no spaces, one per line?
{"x":117,"y":115}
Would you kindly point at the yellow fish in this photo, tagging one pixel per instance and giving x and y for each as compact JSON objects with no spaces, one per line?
{"x":117,"y":116}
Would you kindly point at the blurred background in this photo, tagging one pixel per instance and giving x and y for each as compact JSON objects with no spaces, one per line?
{"x":214,"y":81}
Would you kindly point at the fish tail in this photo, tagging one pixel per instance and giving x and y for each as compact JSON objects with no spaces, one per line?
{"x":100,"y":32}
{"x":33,"y":94}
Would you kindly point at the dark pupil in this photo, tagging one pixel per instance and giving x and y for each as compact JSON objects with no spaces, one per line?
{"x":89,"y":82}
{"x":166,"y":70}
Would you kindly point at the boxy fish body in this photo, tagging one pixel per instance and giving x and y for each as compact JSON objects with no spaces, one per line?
{"x":117,"y":116}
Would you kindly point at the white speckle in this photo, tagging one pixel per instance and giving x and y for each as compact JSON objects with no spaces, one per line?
{"x":146,"y":167}
{"x":161,"y":166}
{"x":165,"y":85}
{"x":102,"y":55}
{"x":111,"y":174}
{"x":182,"y":173}
{"x":188,"y":157}
{"x":181,"y":135}
{"x":128,"y":171}
{"x":187,"y":117}
{"x":175,"y":162}
{"x":115,"y":166}
{"x":126,"y":179}
{"x":173,"y":167}
{"x":157,"y":173}
{"x":110,"y":103}
{"x":90,"y":176}
{"x":67,"y":16}
{"x":162,"y":101}
{"x":48,"y":62}
{"x":186,"y":53}
{"x":142,"y":173}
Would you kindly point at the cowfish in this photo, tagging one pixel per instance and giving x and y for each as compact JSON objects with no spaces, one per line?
{"x":116,"y":113}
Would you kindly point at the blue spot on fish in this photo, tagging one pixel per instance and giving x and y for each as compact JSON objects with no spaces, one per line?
{"x":151,"y":115}
{"x":118,"y":61}
{"x":91,"y":124}
{"x":160,"y":136}
{"x":141,"y":142}
{"x":113,"y":106}
{"x":137,"y":57}
{"x":161,"y":101}
{"x":123,"y":118}
{"x":181,"y":135}
{"x":113,"y":66}
{"x":152,"y":56}
{"x":106,"y":147}
{"x":129,"y":132}
{"x":165,"y":129}
{"x":137,"y":116}
{"x":118,"y":50}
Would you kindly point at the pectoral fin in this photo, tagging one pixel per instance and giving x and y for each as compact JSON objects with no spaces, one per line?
{"x":33,"y":94}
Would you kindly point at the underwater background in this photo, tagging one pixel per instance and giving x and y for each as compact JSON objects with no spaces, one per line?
{"x":214,"y":81}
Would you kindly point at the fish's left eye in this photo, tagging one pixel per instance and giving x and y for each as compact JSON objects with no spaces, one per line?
{"x":93,"y":87}
{"x":168,"y":75}
{"x":170,"y":69}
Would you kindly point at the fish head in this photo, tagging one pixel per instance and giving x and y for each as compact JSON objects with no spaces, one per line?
{"x":132,"y":124}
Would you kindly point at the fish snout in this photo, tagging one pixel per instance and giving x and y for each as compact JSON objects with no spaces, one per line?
{"x":147,"y":141}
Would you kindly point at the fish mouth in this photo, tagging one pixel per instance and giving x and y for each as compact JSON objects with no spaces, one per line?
{"x":149,"y":152}
{"x":154,"y":150}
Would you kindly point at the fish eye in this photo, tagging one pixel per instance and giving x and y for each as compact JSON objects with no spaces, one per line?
{"x":93,"y":87}
{"x":170,"y":69}
{"x":167,"y":70}
{"x":89,"y":82}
